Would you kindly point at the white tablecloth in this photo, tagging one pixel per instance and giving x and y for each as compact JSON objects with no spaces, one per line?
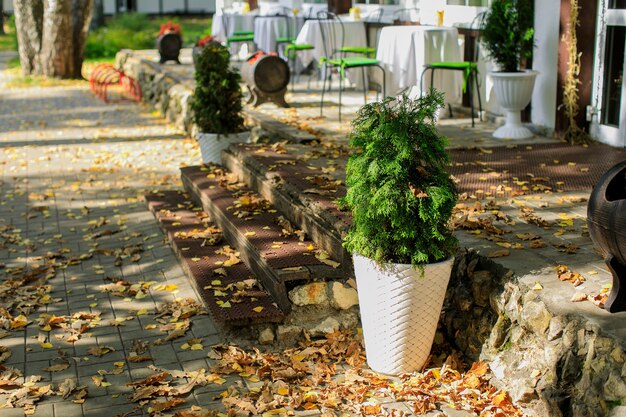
{"x":235,"y":22}
{"x":354,"y":35}
{"x":267,"y":29}
{"x":311,"y":9}
{"x":403,"y":51}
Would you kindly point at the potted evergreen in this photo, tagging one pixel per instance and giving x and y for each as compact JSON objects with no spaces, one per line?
{"x":197,"y":48}
{"x":217,"y":103}
{"x":401,"y":198}
{"x":507,"y":36}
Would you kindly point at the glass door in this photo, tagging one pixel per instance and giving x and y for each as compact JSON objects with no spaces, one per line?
{"x":609,"y":102}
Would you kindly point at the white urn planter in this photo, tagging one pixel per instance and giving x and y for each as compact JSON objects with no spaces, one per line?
{"x":513,"y":91}
{"x":212,"y":144}
{"x":400,"y":310}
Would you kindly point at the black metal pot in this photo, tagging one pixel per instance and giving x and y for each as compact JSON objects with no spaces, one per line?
{"x":169,"y":45}
{"x":606,"y":219}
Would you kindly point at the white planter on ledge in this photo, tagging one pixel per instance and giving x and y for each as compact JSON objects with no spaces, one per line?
{"x":212,"y":144}
{"x":400,"y":310}
{"x":513,"y":91}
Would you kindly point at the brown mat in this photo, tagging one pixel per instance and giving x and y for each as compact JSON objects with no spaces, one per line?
{"x":174,"y":214}
{"x":532,"y":169}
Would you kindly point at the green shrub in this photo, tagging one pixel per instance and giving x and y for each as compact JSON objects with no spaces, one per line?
{"x":217,"y":99}
{"x":508,"y":33}
{"x":138,"y":31}
{"x":399,"y":191}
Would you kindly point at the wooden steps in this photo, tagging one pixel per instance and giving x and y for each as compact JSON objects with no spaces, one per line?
{"x":190,"y":235}
{"x":304,"y":192}
{"x":274,"y":249}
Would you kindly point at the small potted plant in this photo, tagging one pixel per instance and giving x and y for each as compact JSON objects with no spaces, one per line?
{"x":197,"y":48}
{"x":507,"y":36}
{"x":401,"y":198}
{"x":217,"y":103}
{"x":169,"y":42}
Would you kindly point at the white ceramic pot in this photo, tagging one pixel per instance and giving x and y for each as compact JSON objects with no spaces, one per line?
{"x":212,"y":144}
{"x":513,"y":91}
{"x":400,"y":310}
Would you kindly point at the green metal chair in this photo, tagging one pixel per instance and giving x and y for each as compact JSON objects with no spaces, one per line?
{"x":237,"y":37}
{"x":469,"y":69}
{"x":345,"y":49}
{"x":332,"y":32}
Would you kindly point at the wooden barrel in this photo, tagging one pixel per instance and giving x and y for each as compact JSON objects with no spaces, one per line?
{"x":267,"y":78}
{"x":169,"y":45}
{"x":606,"y":213}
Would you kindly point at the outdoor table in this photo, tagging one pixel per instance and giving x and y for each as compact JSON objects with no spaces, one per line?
{"x":403,"y":51}
{"x":267,"y":29}
{"x":236,"y":22}
{"x":310,"y":10}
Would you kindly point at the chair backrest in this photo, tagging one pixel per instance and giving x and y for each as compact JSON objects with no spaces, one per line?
{"x":332,"y":32}
{"x":227,"y":33}
{"x":476,"y":27}
{"x":409,"y":15}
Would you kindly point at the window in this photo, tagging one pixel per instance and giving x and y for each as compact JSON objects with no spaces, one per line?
{"x":467,"y":2}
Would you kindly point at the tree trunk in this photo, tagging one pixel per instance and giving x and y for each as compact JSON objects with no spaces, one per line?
{"x":52,"y":35}
{"x":81,"y":19}
{"x":29,"y":26}
{"x":1,"y":17}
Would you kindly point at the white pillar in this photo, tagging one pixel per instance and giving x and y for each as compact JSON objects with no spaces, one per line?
{"x":545,"y":57}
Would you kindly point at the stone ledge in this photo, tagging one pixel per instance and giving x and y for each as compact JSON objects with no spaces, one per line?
{"x":556,"y":361}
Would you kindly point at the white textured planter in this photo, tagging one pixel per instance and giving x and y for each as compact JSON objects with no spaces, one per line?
{"x":400,"y":310}
{"x":513,"y":91}
{"x":212,"y":144}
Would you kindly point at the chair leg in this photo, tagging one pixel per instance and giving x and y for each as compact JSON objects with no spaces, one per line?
{"x":480,"y":104}
{"x":323,"y":89}
{"x":471,"y":98}
{"x":340,"y":88}
{"x":364,"y":85}
{"x":422,"y":82}
{"x":384,"y":82}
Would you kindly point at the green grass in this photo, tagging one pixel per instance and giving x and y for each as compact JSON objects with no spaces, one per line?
{"x":8,"y":41}
{"x":138,"y":31}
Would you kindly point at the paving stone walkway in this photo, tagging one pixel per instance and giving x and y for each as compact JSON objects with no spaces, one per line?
{"x":73,"y":174}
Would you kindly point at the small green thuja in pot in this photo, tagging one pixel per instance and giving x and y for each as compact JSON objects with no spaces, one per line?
{"x":399,"y":191}
{"x":217,"y":103}
{"x":401,"y":198}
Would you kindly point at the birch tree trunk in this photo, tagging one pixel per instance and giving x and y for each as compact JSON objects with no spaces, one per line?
{"x":29,"y":26}
{"x":52,"y":35}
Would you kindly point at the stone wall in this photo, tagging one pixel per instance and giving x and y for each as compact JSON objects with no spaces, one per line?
{"x":319,"y":308}
{"x":557,"y":365}
{"x":164,"y":89}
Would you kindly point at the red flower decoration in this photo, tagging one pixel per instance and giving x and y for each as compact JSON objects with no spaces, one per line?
{"x":202,"y":42}
{"x":170,"y":27}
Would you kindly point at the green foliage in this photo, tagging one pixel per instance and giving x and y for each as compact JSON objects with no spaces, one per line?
{"x":8,"y":41}
{"x":399,"y":191}
{"x":217,"y":100}
{"x":508,"y":33}
{"x":138,"y":31}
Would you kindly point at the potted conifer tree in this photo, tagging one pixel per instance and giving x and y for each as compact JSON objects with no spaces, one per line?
{"x":401,"y":198}
{"x":217,"y":103}
{"x":507,"y":36}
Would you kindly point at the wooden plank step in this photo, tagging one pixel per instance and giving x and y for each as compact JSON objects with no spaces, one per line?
{"x":274,"y":251}
{"x":300,"y":187}
{"x":190,"y":234}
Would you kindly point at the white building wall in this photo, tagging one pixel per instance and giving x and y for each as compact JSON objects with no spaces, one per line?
{"x":7,"y":6}
{"x":150,"y":6}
